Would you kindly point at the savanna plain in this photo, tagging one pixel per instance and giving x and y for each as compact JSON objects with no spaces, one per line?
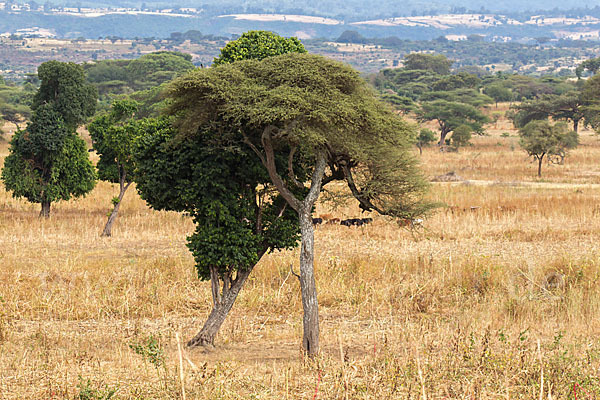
{"x":495,"y":296}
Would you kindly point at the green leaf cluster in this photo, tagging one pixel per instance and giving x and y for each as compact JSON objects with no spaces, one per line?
{"x":257,"y":45}
{"x":113,"y":137}
{"x":222,"y":186}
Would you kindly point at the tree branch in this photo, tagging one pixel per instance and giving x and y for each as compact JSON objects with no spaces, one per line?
{"x":269,"y":163}
{"x":366,"y":204}
{"x":291,"y":173}
{"x":317,"y":180}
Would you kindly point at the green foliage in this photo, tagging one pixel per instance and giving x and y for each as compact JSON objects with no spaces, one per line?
{"x":87,"y":391}
{"x":150,"y":350}
{"x":258,"y":45}
{"x":48,"y":161}
{"x":425,"y":137}
{"x":498,"y":92}
{"x":590,"y":97}
{"x":592,"y":65}
{"x":314,"y":103}
{"x":113,"y":136}
{"x":450,"y":115}
{"x":64,"y":87}
{"x":568,"y":106}
{"x":437,"y":63}
{"x":541,"y":138}
{"x":218,"y":184}
{"x":461,"y":136}
{"x":140,"y":78}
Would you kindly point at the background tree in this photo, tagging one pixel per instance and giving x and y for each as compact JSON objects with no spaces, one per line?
{"x":437,"y":63}
{"x":113,"y":136}
{"x":239,"y":216}
{"x":258,"y":45}
{"x":461,"y":136}
{"x":590,"y":97}
{"x":424,"y":138}
{"x":450,"y":115}
{"x":592,"y":65}
{"x":541,"y":138}
{"x":48,"y":161}
{"x":498,"y":92}
{"x":567,"y":106}
{"x":316,"y":112}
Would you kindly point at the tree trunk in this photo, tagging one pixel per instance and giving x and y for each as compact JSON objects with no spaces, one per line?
{"x":442,"y":142}
{"x":540,"y":166}
{"x":45,"y":212}
{"x":222,"y":304}
{"x":308,"y":287}
{"x":107,"y":232}
{"x":420,"y":150}
{"x":575,"y":125}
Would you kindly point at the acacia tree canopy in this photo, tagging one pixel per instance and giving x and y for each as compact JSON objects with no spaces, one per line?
{"x":317,"y":113}
{"x":541,"y":138}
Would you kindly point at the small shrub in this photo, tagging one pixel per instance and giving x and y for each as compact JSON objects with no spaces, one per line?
{"x":88,"y":392}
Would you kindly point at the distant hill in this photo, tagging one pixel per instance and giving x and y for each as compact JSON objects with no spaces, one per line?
{"x":355,"y":9}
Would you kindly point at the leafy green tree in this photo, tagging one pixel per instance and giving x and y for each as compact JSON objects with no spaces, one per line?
{"x":541,"y":138}
{"x":568,"y":106}
{"x":450,"y":115}
{"x":460,"y":137}
{"x":424,"y":138}
{"x":113,"y":136}
{"x":258,"y":45}
{"x":238,"y":214}
{"x":48,"y":161}
{"x":437,"y":63}
{"x":498,"y":92}
{"x":316,"y":113}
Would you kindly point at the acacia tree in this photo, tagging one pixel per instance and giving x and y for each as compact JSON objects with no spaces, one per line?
{"x":450,"y":115}
{"x":541,"y":138}
{"x":568,"y":106}
{"x":317,"y":113}
{"x":113,"y":136}
{"x":48,"y":161}
{"x":239,"y":216}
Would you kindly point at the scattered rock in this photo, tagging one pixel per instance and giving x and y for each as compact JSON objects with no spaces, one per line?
{"x":449,"y":177}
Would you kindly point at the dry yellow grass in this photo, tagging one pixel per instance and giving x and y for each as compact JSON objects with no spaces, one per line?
{"x":454,"y":310}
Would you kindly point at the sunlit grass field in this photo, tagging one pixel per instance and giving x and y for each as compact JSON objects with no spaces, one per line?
{"x":496,"y":296}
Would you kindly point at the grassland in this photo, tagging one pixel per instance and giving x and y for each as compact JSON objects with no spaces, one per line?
{"x":497,"y":297}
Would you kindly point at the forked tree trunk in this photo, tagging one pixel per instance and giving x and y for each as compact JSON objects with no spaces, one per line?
{"x":575,"y":125}
{"x":45,"y":212}
{"x":303,"y":207}
{"x":222,"y":304}
{"x":540,"y":165}
{"x":113,"y":215}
